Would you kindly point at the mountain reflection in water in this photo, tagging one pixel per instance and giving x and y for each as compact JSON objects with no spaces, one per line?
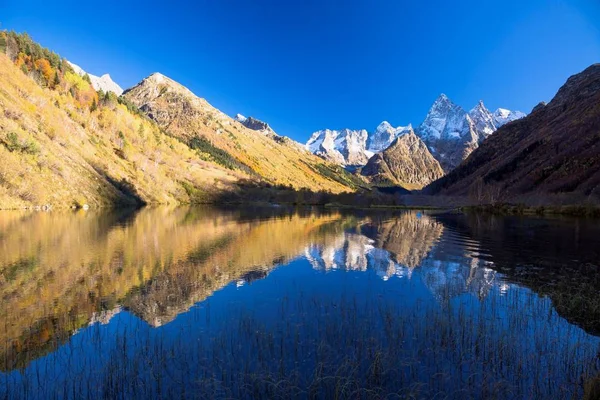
{"x":366,"y":303}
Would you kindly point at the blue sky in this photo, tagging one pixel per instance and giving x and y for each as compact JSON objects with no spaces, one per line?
{"x":314,"y":64}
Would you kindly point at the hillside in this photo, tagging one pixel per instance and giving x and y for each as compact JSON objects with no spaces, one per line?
{"x":407,"y":163}
{"x":555,"y":151}
{"x":193,"y":120}
{"x":63,"y":144}
{"x":55,"y":152}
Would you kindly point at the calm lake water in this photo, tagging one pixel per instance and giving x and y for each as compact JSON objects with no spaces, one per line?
{"x":277,"y":303}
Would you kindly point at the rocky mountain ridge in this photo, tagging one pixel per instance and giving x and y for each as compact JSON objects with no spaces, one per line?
{"x":254,"y":124}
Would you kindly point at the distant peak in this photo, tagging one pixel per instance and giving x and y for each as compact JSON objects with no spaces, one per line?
{"x":479,"y":109}
{"x":384,"y":125}
{"x":157,"y":78}
{"x":156,"y":75}
{"x":442,"y":100}
{"x":240,"y":118}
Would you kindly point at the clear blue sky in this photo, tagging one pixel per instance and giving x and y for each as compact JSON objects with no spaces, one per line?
{"x":314,"y":64}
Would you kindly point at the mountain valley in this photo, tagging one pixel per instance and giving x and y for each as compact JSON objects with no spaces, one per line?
{"x":72,"y":139}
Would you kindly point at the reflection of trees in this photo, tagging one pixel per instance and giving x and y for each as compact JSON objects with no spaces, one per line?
{"x":248,"y":254}
{"x":58,"y":271}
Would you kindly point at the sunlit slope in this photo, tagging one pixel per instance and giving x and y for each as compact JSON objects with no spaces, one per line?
{"x":278,"y":160}
{"x":54,"y":151}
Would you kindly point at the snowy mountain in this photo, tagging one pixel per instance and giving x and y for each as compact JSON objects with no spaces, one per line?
{"x":104,"y":82}
{"x":450,"y":133}
{"x":503,"y":116}
{"x":346,"y":147}
{"x":384,"y":136}
{"x":483,"y":119}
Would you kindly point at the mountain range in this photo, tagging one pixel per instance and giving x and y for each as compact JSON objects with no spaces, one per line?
{"x":73,"y":139}
{"x":449,"y":132}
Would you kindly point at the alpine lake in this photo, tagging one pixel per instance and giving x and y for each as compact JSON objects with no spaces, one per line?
{"x":287,"y":303}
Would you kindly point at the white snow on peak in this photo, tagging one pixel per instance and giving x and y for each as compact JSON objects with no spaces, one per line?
{"x":445,"y":120}
{"x":240,"y":118}
{"x":104,"y":82}
{"x":502,"y":116}
{"x":483,"y":120}
{"x":384,"y":136}
{"x":345,"y":146}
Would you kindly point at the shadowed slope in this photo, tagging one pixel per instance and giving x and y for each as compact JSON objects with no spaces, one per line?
{"x":554,"y":150}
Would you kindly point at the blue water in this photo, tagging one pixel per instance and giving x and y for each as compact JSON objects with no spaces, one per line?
{"x":384,"y":306}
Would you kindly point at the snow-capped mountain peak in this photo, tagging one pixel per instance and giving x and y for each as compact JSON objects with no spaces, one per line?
{"x":483,"y":120}
{"x":503,"y":116}
{"x":445,"y":120}
{"x":384,"y":136}
{"x":104,"y":82}
{"x":345,"y":146}
{"x":240,"y":118}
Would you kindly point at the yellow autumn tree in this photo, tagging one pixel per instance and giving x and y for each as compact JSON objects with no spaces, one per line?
{"x":45,"y":68}
{"x":81,"y":89}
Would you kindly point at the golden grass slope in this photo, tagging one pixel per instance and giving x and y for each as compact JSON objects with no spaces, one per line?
{"x":53,"y":151}
{"x":184,"y":115}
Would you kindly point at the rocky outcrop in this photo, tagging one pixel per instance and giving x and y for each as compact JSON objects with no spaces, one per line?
{"x":254,"y":124}
{"x":407,"y":163}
